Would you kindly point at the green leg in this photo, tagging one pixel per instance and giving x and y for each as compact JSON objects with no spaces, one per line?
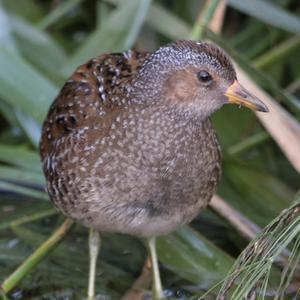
{"x":156,"y":285}
{"x":94,"y":246}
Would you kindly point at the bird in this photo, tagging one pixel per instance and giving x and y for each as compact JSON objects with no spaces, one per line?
{"x":128,"y":145}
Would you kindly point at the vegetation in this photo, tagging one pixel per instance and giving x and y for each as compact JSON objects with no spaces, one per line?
{"x":41,"y":42}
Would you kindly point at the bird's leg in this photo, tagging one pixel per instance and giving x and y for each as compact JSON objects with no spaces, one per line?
{"x":94,"y":246}
{"x":156,"y":284}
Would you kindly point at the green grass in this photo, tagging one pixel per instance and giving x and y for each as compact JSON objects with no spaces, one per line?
{"x":41,"y":42}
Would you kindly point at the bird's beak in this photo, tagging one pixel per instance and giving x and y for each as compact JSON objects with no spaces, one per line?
{"x":237,"y":94}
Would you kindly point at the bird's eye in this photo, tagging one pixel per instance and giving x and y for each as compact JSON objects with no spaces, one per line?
{"x":204,"y":76}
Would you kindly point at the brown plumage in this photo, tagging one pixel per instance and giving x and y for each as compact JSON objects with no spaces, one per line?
{"x":128,"y":145}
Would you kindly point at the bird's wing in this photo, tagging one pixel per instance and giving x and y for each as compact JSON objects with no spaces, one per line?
{"x":93,"y":94}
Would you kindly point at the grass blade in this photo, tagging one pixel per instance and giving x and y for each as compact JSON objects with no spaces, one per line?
{"x":20,"y":156}
{"x":56,"y":14}
{"x":192,"y":257}
{"x":255,"y":261}
{"x":141,"y":12}
{"x":39,"y":48}
{"x":275,"y":15}
{"x":21,"y":176}
{"x":14,"y":188}
{"x":169,"y":25}
{"x":30,"y":263}
{"x":118,"y":33}
{"x":6,"y":37}
{"x":24,"y":87}
{"x":284,"y":129}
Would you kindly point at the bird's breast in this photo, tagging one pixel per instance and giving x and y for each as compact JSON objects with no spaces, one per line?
{"x":148,"y":165}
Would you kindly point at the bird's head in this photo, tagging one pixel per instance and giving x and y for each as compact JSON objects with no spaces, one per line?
{"x":194,"y":76}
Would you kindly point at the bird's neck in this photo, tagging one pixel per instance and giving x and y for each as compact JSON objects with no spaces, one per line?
{"x":174,"y":116}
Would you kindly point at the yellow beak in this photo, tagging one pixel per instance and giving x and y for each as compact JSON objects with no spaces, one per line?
{"x":237,"y":94}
